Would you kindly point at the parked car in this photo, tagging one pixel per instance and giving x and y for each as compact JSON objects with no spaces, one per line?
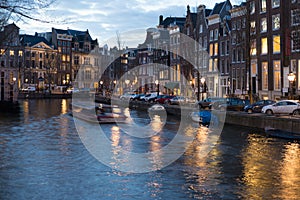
{"x":177,"y":100}
{"x":149,"y":97}
{"x":233,"y":104}
{"x":127,"y":96}
{"x":257,"y":106}
{"x":29,"y":89}
{"x":137,"y":97}
{"x":163,"y":98}
{"x":207,"y":103}
{"x":282,"y":107}
{"x":72,"y":90}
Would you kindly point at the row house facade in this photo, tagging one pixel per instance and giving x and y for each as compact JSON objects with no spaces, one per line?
{"x":39,"y":68}
{"x":11,"y":60}
{"x":235,"y":46}
{"x":274,"y":46}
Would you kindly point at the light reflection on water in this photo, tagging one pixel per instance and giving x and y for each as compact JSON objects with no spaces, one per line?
{"x":42,"y":157}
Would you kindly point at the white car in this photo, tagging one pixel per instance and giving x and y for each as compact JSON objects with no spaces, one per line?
{"x":149,"y":97}
{"x":29,"y":89}
{"x":282,"y":107}
{"x":127,"y":96}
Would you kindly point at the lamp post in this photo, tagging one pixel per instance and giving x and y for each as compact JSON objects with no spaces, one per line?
{"x":291,"y":78}
{"x":203,"y":86}
{"x":157,"y":85}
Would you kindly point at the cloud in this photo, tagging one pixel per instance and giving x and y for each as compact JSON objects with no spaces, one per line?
{"x":103,"y":18}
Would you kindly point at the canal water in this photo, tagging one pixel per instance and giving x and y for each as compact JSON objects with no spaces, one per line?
{"x":43,"y":157}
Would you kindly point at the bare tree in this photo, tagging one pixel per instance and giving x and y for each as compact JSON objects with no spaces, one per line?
{"x":21,"y":10}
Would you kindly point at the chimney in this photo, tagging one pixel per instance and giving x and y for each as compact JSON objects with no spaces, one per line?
{"x":161,"y":18}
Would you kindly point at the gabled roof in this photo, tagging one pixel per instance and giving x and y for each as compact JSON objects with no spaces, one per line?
{"x":217,"y":8}
{"x":207,"y":12}
{"x":222,"y":9}
{"x":170,"y":21}
{"x":31,"y":40}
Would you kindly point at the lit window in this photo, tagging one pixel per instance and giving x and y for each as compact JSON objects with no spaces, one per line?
{"x":276,"y":22}
{"x":211,"y":49}
{"x":252,"y":27}
{"x":20,"y":53}
{"x":210,"y":65}
{"x":275,"y":3}
{"x":276,"y":44}
{"x":216,"y":49}
{"x":263,"y":5}
{"x":263,"y":24}
{"x":264,"y":46}
{"x":265,"y":75}
{"x":277,"y":83}
{"x":11,"y":52}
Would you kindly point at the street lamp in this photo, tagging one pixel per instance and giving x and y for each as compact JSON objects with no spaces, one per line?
{"x":157,"y":85}
{"x":291,"y":78}
{"x":203,"y":86}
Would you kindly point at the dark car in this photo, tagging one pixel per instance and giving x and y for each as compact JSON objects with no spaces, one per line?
{"x":233,"y":104}
{"x":163,"y":98}
{"x":207,"y":103}
{"x":257,"y":106}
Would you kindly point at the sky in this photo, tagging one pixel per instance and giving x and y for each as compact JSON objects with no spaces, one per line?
{"x":105,"y":18}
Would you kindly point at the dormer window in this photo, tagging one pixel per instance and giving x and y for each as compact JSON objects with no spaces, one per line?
{"x":76,"y":46}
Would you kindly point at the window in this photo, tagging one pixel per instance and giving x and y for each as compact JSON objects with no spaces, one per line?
{"x":205,"y":42}
{"x":211,"y":49}
{"x":76,"y":46}
{"x":88,"y":74}
{"x":276,"y":22}
{"x":201,"y":28}
{"x":233,"y":39}
{"x":263,"y":27}
{"x":233,"y":25}
{"x":238,"y":24}
{"x":20,"y":53}
{"x":216,"y":49}
{"x":76,"y":60}
{"x":295,"y":40}
{"x":252,"y":7}
{"x":244,"y":22}
{"x":275,"y":3}
{"x":216,"y":36}
{"x":276,"y":67}
{"x":233,"y":55}
{"x":215,"y":66}
{"x":295,"y":17}
{"x":86,"y":60}
{"x":211,"y":35}
{"x":276,"y":44}
{"x":263,"y":5}
{"x":210,"y":65}
{"x":252,"y":28}
{"x":11,"y":53}
{"x":264,"y":46}
{"x":265,"y":75}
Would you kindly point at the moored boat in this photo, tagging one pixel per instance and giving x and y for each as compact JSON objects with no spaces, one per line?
{"x":101,"y":113}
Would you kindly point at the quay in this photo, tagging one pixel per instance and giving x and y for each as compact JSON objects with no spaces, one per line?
{"x":255,"y":120}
